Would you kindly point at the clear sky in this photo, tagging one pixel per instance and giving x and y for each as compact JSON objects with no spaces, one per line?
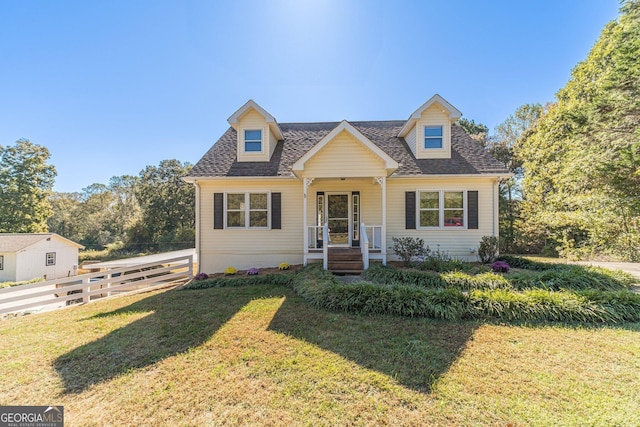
{"x":112,"y":86}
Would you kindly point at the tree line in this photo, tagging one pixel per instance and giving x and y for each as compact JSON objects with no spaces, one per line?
{"x":575,"y":189}
{"x":153,"y":211}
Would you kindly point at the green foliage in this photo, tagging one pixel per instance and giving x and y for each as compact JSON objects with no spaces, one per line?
{"x":581,"y":157}
{"x":457,"y":295}
{"x":26,"y":180}
{"x":24,"y":282}
{"x":408,"y":248}
{"x":225,"y":282}
{"x":478,"y":131}
{"x":488,"y":249}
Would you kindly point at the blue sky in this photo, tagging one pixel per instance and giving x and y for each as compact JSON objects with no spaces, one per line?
{"x":112,"y":86}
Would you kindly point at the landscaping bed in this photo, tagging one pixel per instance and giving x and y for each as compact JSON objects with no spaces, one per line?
{"x":533,"y":292}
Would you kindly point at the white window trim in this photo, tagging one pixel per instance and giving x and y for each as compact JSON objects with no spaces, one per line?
{"x":47,"y":259}
{"x":244,"y":141}
{"x":443,"y":137}
{"x":247,"y":210}
{"x":441,"y":209}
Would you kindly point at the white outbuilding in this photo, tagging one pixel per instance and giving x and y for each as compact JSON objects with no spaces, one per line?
{"x":26,"y":256}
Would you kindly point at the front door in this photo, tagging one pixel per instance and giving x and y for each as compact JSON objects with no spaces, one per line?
{"x":338,"y":219}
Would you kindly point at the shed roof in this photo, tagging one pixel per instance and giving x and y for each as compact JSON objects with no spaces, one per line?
{"x":14,"y":242}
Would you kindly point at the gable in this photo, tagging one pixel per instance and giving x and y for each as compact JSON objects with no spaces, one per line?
{"x":345,"y":152}
{"x":344,"y":156}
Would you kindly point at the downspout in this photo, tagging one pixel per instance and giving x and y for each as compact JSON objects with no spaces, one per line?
{"x":198,"y":219}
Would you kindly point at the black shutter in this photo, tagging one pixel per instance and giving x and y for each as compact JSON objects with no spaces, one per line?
{"x":218,"y":211}
{"x":410,"y":210}
{"x":472,"y":211}
{"x":276,"y":211}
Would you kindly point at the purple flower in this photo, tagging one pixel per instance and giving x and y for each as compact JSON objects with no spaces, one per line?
{"x":500,"y":267}
{"x":201,"y":276}
{"x":252,"y":271}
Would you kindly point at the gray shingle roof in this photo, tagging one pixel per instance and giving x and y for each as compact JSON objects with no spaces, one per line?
{"x":467,"y":156}
{"x":14,"y":242}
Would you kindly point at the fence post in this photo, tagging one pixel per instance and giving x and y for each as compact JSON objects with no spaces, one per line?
{"x":85,"y":290}
{"x":109,"y":285}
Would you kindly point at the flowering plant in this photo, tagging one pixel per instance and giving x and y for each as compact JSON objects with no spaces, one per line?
{"x":252,"y":271}
{"x":284,"y":266}
{"x":500,"y":267}
{"x":230,"y":271}
{"x":201,"y":276}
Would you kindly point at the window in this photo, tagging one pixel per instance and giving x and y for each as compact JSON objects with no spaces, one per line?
{"x":248,"y":210}
{"x":253,"y":141}
{"x":51,"y":258}
{"x":1,"y":262}
{"x":441,"y":209}
{"x":433,"y":137}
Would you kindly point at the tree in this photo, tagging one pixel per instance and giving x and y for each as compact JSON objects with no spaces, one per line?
{"x":582,"y":158}
{"x":26,"y":180}
{"x":167,"y":204}
{"x":478,"y":131}
{"x":504,"y":145}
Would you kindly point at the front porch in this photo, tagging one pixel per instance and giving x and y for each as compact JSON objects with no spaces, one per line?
{"x":344,"y":222}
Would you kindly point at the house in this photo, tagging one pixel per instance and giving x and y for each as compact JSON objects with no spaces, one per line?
{"x":25,"y":256}
{"x":269,"y":192}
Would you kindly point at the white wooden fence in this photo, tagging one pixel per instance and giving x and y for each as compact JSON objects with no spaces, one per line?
{"x":87,"y":287}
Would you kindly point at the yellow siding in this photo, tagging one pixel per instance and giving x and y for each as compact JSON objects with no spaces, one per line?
{"x":254,"y":120}
{"x":434,"y":115}
{"x":457,"y":242}
{"x":242,"y":248}
{"x":410,"y":138}
{"x":344,"y":156}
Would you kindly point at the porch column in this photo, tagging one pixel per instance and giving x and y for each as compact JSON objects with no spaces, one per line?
{"x":305,"y":232}
{"x":382,"y":181}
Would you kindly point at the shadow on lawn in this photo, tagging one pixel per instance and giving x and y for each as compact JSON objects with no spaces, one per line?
{"x":416,"y":352}
{"x":177,"y":321}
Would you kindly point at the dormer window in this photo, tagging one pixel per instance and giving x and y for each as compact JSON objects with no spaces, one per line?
{"x":253,"y":141}
{"x":433,"y":137}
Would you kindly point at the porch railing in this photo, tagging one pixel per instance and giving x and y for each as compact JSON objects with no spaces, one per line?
{"x":373,"y":234}
{"x":325,"y":247}
{"x":364,"y":246}
{"x":315,"y":239}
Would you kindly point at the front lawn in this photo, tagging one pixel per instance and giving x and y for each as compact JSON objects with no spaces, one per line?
{"x":261,"y":355}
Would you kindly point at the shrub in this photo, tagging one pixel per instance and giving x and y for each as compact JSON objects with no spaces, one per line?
{"x":408,"y":248}
{"x":488,"y":249}
{"x":253,"y":271}
{"x":284,"y":266}
{"x":255,"y":280}
{"x":230,"y":271}
{"x":201,"y":276}
{"x":500,"y":267}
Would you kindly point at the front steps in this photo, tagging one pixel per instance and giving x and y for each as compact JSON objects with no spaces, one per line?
{"x":345,"y":261}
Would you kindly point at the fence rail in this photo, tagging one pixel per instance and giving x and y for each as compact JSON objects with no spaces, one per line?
{"x":91,"y":286}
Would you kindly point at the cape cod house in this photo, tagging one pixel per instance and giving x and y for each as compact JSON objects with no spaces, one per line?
{"x":269,"y":192}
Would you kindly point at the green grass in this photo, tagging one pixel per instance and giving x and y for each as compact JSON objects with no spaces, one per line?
{"x":261,"y":355}
{"x":24,"y":282}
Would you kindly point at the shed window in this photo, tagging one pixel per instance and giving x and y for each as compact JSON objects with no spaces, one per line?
{"x":1,"y":262}
{"x":433,"y":137}
{"x":253,"y":141}
{"x":247,"y":210}
{"x":51,"y":258}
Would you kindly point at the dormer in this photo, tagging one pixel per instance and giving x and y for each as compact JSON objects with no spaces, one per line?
{"x":428,"y":129}
{"x":258,"y":133}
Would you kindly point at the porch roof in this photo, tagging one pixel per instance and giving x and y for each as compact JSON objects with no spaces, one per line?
{"x":467,"y":156}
